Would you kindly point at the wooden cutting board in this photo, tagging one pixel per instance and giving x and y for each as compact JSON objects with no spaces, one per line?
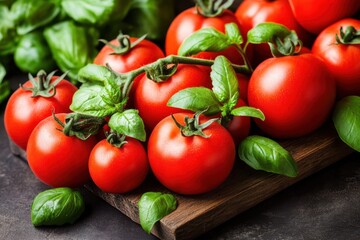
{"x":244,"y":189}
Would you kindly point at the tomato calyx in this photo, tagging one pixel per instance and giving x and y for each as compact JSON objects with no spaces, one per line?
{"x":160,"y":72}
{"x":80,"y":125}
{"x":115,"y":139}
{"x":125,"y":45}
{"x":288,"y":46}
{"x":212,"y":8}
{"x":192,"y":125}
{"x":348,"y":36}
{"x":43,"y":86}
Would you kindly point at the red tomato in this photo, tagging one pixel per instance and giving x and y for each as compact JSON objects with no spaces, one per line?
{"x":23,"y":112}
{"x":295,"y":93}
{"x":151,"y":97}
{"x":315,"y":16}
{"x":141,"y":54}
{"x":118,"y":170}
{"x":190,"y":165}
{"x":188,"y":22}
{"x":342,"y":60}
{"x":239,"y":127}
{"x":243,"y":82}
{"x":252,"y":12}
{"x":56,"y":159}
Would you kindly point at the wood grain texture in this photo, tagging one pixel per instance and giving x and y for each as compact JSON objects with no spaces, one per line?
{"x":244,"y":189}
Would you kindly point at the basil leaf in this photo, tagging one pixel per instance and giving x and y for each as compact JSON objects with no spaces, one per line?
{"x":267,"y":32}
{"x":92,"y":12}
{"x":128,"y":123}
{"x":248,"y":112}
{"x":153,"y":206}
{"x":112,"y":94}
{"x":30,"y":15}
{"x":346,"y":118}
{"x":72,"y":45}
{"x":233,"y":33}
{"x":224,"y":81}
{"x":4,"y":85}
{"x":206,"y":39}
{"x":8,"y":35}
{"x":57,"y":206}
{"x":262,"y":153}
{"x":92,"y":73}
{"x":89,"y":100}
{"x":196,"y":99}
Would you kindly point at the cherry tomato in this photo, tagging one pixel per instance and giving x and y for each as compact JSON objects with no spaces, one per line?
{"x":118,"y":169}
{"x":243,"y":82}
{"x":252,"y":12}
{"x":315,"y":16}
{"x":342,"y":60}
{"x":56,"y":159}
{"x":295,"y":93}
{"x":151,"y":97}
{"x":23,"y":111}
{"x":190,"y":165}
{"x":188,"y":22}
{"x":143,"y":53}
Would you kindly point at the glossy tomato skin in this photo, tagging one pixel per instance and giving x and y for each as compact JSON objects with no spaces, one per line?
{"x":56,"y":159}
{"x":23,"y":112}
{"x":188,"y":22}
{"x":142,"y":54}
{"x":315,"y":16}
{"x":118,"y":170}
{"x":151,"y":98}
{"x":295,"y":93}
{"x":239,"y":127}
{"x":252,"y":12}
{"x":190,"y":165}
{"x":342,"y":60}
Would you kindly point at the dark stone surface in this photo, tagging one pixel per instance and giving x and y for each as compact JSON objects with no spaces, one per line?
{"x":323,"y":206}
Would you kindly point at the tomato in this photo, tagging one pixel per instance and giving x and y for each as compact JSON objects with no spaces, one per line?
{"x":23,"y":111}
{"x":151,"y":97}
{"x":188,"y":22}
{"x":243,"y":82}
{"x":143,"y":53}
{"x":194,"y":164}
{"x":252,"y":12}
{"x":295,"y":93}
{"x":118,"y":169}
{"x":342,"y":60}
{"x":315,"y":16}
{"x":239,"y":127}
{"x":56,"y":159}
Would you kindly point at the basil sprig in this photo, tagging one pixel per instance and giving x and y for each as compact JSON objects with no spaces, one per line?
{"x":153,"y":206}
{"x":346,"y":118}
{"x":262,"y":153}
{"x":57,"y":206}
{"x":222,"y":98}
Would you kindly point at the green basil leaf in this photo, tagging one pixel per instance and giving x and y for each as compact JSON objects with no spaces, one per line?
{"x":89,"y":100}
{"x":128,"y":123}
{"x":72,"y":45}
{"x":262,"y":153}
{"x":248,"y":112}
{"x":8,"y":35}
{"x":4,"y":90}
{"x":224,"y":81}
{"x":146,"y":17}
{"x":33,"y":54}
{"x":112,"y":94}
{"x":206,"y":39}
{"x":57,"y":206}
{"x":346,"y":118}
{"x":267,"y":32}
{"x":233,"y":33}
{"x":196,"y":99}
{"x":30,"y":15}
{"x":92,"y":73}
{"x":153,"y":206}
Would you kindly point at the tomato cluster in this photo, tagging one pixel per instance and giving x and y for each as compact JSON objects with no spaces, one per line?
{"x":190,"y":153}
